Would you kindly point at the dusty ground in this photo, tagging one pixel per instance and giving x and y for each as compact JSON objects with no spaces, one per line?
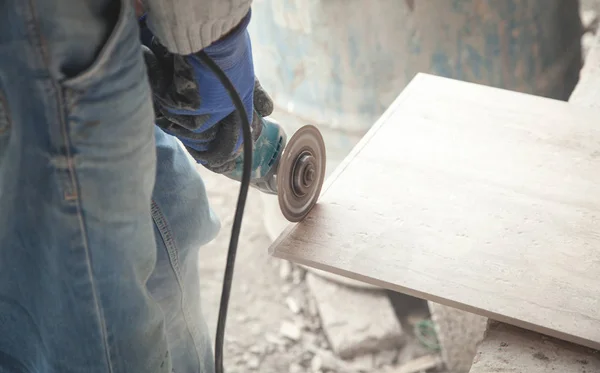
{"x":273,"y":325}
{"x":258,"y":302}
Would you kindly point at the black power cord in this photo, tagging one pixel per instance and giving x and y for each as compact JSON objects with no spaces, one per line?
{"x":239,"y":210}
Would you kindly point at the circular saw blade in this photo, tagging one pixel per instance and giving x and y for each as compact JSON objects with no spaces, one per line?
{"x":301,"y":173}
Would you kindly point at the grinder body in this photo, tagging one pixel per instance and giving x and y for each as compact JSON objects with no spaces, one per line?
{"x":266,"y":154}
{"x":293,"y":170}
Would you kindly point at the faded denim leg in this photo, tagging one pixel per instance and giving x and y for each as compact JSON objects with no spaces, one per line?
{"x":77,"y":170}
{"x":183,"y":221}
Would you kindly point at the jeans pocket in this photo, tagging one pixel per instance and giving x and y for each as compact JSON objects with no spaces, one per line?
{"x":111,"y":53}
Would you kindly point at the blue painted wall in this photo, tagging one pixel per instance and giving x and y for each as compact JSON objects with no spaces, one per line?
{"x":340,"y":63}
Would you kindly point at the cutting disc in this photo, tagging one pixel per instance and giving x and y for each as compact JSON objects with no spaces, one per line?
{"x":301,"y":173}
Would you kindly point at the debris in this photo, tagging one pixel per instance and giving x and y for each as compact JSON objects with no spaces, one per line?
{"x":306,"y":359}
{"x":253,"y":362}
{"x":300,"y":322}
{"x":295,"y":368}
{"x":256,"y":349}
{"x":316,"y":364}
{"x":410,"y":351}
{"x":242,"y":318}
{"x":323,"y":344}
{"x":421,"y":364}
{"x":310,"y":339}
{"x":363,"y":363}
{"x":330,"y":362}
{"x":269,"y":349}
{"x":285,"y":270}
{"x":311,"y":314}
{"x":589,"y":20}
{"x":356,"y":321}
{"x":426,"y":334}
{"x":415,"y":317}
{"x":311,"y":304}
{"x":313,"y":324}
{"x":385,"y":358}
{"x":587,"y":41}
{"x":240,"y":360}
{"x":458,"y":333}
{"x":274,"y":340}
{"x":298,"y":274}
{"x":290,"y":331}
{"x":292,"y":305}
{"x":250,"y":360}
{"x":256,"y":329}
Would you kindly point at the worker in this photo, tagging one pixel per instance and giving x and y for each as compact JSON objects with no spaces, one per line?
{"x":101,"y":211}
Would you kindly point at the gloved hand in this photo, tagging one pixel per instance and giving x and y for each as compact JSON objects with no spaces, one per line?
{"x":192,"y":104}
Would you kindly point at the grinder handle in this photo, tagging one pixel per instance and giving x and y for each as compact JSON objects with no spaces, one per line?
{"x":266,"y":153}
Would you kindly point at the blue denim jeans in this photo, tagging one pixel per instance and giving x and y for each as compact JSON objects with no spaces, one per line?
{"x":101,"y":213}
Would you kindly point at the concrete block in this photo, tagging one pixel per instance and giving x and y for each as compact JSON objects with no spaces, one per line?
{"x":506,"y":348}
{"x":458,"y":332}
{"x":355,"y":321}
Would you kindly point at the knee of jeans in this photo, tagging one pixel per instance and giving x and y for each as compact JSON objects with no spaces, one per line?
{"x":180,"y":196}
{"x":184,"y":218}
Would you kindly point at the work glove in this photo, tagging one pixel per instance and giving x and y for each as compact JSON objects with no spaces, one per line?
{"x":191,"y":103}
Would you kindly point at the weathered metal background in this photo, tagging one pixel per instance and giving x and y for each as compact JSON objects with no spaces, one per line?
{"x":340,"y":63}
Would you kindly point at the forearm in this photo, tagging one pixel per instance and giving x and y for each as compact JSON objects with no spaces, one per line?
{"x":191,"y":102}
{"x":187,"y":26}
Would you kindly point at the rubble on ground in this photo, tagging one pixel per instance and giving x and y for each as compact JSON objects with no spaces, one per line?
{"x":366,"y":338}
{"x":355,"y":321}
{"x":274,"y":323}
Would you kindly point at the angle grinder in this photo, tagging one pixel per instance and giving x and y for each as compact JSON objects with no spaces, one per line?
{"x":293,"y":170}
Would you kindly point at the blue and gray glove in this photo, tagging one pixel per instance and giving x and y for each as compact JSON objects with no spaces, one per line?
{"x":192,"y":104}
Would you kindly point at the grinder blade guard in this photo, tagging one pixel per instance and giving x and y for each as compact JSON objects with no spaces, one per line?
{"x":301,"y":173}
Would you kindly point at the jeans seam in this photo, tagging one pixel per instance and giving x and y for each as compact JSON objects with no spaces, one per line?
{"x":60,"y":101}
{"x":171,"y":246}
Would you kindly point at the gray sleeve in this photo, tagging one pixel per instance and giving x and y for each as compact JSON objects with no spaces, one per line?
{"x":187,"y":26}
